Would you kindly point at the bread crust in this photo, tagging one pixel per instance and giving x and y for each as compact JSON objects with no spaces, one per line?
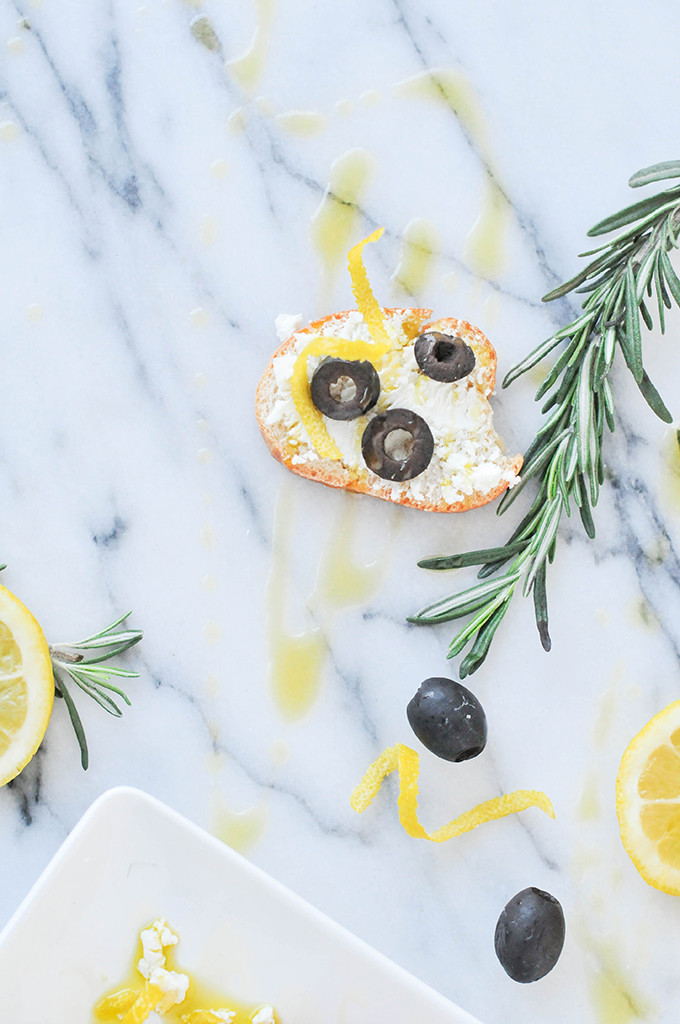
{"x":333,"y":473}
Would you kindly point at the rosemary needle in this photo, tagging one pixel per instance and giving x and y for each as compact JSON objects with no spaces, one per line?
{"x":565,"y":457}
{"x":92,"y":674}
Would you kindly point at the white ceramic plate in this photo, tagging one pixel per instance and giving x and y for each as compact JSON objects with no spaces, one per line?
{"x":132,"y":859}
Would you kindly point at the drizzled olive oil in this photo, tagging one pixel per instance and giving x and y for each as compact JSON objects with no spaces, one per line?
{"x":670,"y":483}
{"x":297,"y":659}
{"x":302,"y":122}
{"x":453,"y":90}
{"x":247,"y":69}
{"x":419,"y":246}
{"x":345,"y":583}
{"x":485,"y":247}
{"x":240,"y":830}
{"x":297,"y":663}
{"x":237,"y":121}
{"x":334,"y":220}
{"x":613,"y":1001}
{"x":342,"y":580}
{"x":200,"y":996}
{"x":588,"y":807}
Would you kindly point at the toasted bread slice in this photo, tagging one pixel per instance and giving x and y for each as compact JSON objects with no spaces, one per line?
{"x":468,"y":468}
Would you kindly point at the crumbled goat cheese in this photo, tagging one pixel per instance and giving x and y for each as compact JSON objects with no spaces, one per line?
{"x":265,"y":1015}
{"x":152,"y":965}
{"x":287,"y":324}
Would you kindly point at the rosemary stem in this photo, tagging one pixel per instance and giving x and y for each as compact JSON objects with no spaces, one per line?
{"x":565,"y":459}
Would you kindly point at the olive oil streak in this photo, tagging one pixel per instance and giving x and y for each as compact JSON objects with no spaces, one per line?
{"x":334,"y":220}
{"x":589,"y":805}
{"x":670,"y":485}
{"x":247,"y":69}
{"x":342,"y":580}
{"x":302,"y":122}
{"x":613,"y":998}
{"x":486,"y":241}
{"x":613,"y":1001}
{"x":240,"y":830}
{"x":297,"y":661}
{"x":419,"y":246}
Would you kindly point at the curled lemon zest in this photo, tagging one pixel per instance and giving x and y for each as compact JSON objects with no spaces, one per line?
{"x":149,"y":997}
{"x":116,"y":1004}
{"x":366,"y":301}
{"x":311,"y":417}
{"x":328,"y":345}
{"x":406,"y":761}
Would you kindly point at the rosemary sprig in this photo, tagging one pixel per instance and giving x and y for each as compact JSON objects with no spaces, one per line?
{"x":565,"y":458}
{"x":92,"y":674}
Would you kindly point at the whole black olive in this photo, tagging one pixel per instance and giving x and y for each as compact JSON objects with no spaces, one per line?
{"x":397,"y":444}
{"x":530,"y":935}
{"x":344,"y":388}
{"x":443,"y":356}
{"x":448,"y":719}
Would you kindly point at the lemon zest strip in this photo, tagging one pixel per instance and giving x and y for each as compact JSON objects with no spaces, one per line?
{"x":116,"y":1004}
{"x":311,"y":417}
{"x":367,"y":304}
{"x":145,"y":1002}
{"x":406,"y":762}
{"x":366,"y":301}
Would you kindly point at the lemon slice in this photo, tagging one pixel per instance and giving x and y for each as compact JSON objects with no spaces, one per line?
{"x":26,"y":686}
{"x":648,"y":800}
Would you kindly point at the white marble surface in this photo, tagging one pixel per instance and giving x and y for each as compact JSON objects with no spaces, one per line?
{"x":156,"y":217}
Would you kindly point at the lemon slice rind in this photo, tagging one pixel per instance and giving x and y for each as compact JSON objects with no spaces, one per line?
{"x":35,"y":674}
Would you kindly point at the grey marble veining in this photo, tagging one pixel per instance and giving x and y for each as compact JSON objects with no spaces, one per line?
{"x":158,"y":213}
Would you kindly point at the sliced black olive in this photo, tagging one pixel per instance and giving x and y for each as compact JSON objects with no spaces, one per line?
{"x":530,"y":935}
{"x":448,"y":719}
{"x":443,"y":356}
{"x":344,"y":388}
{"x":397,"y":444}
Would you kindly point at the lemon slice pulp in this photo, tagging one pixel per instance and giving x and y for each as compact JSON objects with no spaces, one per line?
{"x":26,"y":686}
{"x":648,"y":800}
